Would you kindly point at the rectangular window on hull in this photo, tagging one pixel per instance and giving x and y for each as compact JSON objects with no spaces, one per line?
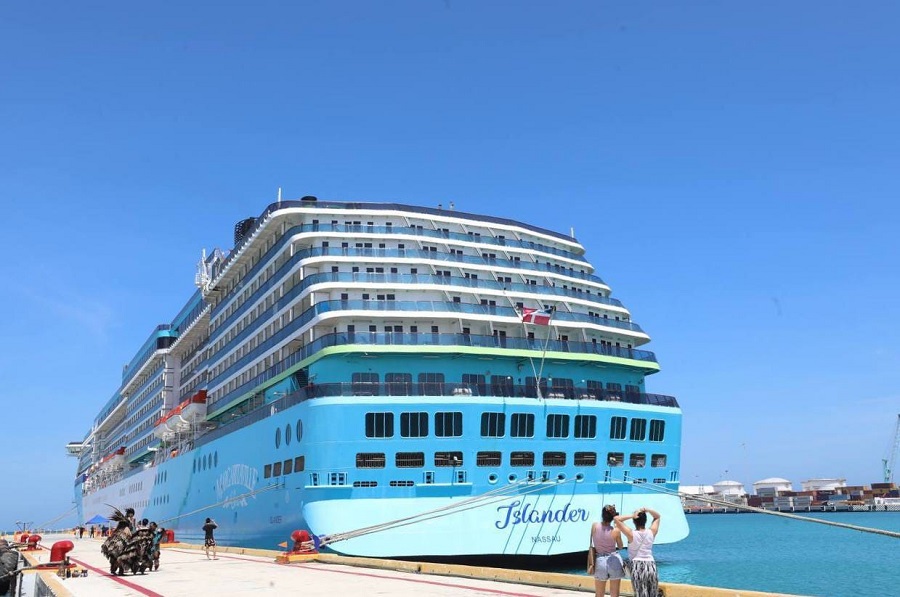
{"x":658,"y":460}
{"x":448,"y":424}
{"x":370,"y":460}
{"x":501,"y":385}
{"x":493,"y":424}
{"x":414,"y":424}
{"x":276,"y":469}
{"x":288,"y":466}
{"x":431,"y":384}
{"x":267,"y":471}
{"x":615,"y":459}
{"x":488,"y":459}
{"x":398,"y":384}
{"x":365,"y":384}
{"x":557,"y":425}
{"x":521,"y":459}
{"x":586,"y":426}
{"x":554,"y":459}
{"x":657,"y":430}
{"x":617,"y":427}
{"x":585,"y":459}
{"x":448,"y":459}
{"x":299,"y":464}
{"x":379,"y":424}
{"x":522,"y":425}
{"x":638,"y":429}
{"x":637,"y":460}
{"x":409,"y":459}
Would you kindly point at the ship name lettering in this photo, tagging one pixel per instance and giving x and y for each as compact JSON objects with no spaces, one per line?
{"x":517,"y":512}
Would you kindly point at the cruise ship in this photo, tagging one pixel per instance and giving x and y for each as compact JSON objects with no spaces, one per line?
{"x":399,"y":381}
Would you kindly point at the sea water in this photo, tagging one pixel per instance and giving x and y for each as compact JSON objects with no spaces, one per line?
{"x":763,"y":552}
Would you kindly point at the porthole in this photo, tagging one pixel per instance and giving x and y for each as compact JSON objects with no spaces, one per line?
{"x":299,"y":429}
{"x":492,"y":478}
{"x":278,"y":437}
{"x":287,"y":434}
{"x":513,"y":478}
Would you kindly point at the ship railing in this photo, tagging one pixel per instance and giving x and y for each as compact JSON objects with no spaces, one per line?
{"x":273,"y":207}
{"x":397,"y":279}
{"x":416,"y":307}
{"x":428,"y":389}
{"x":420,"y":339}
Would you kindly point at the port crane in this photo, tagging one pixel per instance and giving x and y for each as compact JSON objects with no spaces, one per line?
{"x":888,"y":461}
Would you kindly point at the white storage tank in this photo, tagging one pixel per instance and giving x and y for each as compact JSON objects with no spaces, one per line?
{"x":772,"y":486}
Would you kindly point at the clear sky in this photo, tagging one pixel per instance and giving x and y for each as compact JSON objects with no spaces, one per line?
{"x":731,"y":168}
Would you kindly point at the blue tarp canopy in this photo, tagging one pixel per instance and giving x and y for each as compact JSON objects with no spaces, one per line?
{"x":97,"y":520}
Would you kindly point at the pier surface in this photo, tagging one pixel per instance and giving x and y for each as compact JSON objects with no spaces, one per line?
{"x":186,"y":571}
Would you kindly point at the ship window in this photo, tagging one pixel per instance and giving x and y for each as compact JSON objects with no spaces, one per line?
{"x":278,"y":437}
{"x":521,"y":459}
{"x":299,"y":464}
{"x":658,"y":460}
{"x":288,"y":466}
{"x":563,"y":387}
{"x":414,"y":424}
{"x":493,"y":424}
{"x":585,"y":426}
{"x":488,"y":459}
{"x":657,"y":430}
{"x":365,"y":484}
{"x":557,"y":425}
{"x":370,"y":460}
{"x":501,"y":385}
{"x":365,"y":384}
{"x":522,"y":425}
{"x":637,"y":460}
{"x":398,"y":384}
{"x":401,"y":483}
{"x":287,"y":434}
{"x":617,"y":426}
{"x":276,"y":469}
{"x":554,"y":459}
{"x":638,"y":429}
{"x":299,"y":429}
{"x":615,"y":459}
{"x":215,"y":461}
{"x":379,"y":424}
{"x":448,"y":424}
{"x":448,"y":458}
{"x":585,"y":459}
{"x":475,"y":383}
{"x":409,"y":459}
{"x":431,"y":384}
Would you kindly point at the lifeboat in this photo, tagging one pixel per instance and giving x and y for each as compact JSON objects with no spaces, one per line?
{"x":182,"y":416}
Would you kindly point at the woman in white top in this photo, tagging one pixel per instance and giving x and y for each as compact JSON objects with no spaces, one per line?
{"x":644,"y":576}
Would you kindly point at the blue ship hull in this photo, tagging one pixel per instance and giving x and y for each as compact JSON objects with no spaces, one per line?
{"x":507,"y":510}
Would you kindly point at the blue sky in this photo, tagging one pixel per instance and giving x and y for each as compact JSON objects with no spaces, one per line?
{"x":730,"y":168}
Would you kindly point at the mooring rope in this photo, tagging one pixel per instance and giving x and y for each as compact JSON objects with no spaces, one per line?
{"x":487,"y":498}
{"x":727,"y":504}
{"x":44,"y":525}
{"x":225,"y":501}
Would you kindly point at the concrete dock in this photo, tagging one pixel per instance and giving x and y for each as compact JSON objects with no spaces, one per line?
{"x":186,"y":571}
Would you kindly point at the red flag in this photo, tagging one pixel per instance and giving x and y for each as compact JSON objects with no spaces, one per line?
{"x":537,"y":316}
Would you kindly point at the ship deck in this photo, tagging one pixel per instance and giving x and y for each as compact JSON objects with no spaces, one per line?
{"x":186,"y":571}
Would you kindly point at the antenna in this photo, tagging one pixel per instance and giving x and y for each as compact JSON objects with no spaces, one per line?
{"x":279,"y":194}
{"x":572,"y":231}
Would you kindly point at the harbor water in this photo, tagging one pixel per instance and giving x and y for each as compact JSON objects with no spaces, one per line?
{"x":769,"y":553}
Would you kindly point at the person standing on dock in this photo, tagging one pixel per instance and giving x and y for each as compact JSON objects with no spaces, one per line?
{"x":644,"y":575}
{"x":608,"y":565}
{"x":210,"y":541}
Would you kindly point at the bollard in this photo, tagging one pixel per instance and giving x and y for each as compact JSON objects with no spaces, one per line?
{"x":60,"y":549}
